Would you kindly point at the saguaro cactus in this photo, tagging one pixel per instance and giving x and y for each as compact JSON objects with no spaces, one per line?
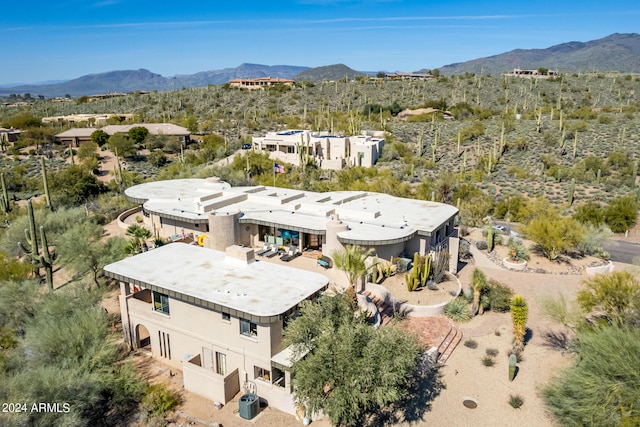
{"x":45,"y":182}
{"x":30,"y":233}
{"x":38,"y":260}
{"x":45,"y":259}
{"x":5,"y":204}
{"x":572,"y":190}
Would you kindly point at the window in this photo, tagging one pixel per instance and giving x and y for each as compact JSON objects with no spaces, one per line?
{"x":160,"y":302}
{"x":248,"y":328}
{"x":221,"y":363}
{"x":278,"y":377}
{"x":262,"y":374}
{"x":165,"y":345}
{"x":226,"y":317}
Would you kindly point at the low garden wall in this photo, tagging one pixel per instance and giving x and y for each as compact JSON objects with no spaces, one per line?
{"x":607,"y":268}
{"x":406,"y":309}
{"x":517,"y":266}
{"x":126,"y":214}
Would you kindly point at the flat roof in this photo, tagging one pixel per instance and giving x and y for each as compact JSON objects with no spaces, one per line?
{"x":259,"y":288}
{"x":372,"y":218}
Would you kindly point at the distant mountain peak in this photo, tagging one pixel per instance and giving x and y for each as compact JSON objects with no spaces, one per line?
{"x":615,"y":52}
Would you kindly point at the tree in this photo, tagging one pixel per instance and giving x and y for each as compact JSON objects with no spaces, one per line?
{"x":138,"y":243}
{"x":616,"y":296}
{"x":353,"y":261}
{"x":120,"y":144}
{"x":621,"y":214}
{"x":554,"y":234}
{"x":344,"y":367}
{"x":76,"y":184}
{"x":99,"y":137}
{"x":191,"y":123}
{"x":590,"y":213}
{"x":66,"y":354}
{"x":87,"y":151}
{"x":603,"y":388}
{"x":83,"y":248}
{"x":138,"y":134}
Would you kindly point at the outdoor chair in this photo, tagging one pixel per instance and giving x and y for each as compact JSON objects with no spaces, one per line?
{"x":266,"y":248}
{"x":271,"y":253}
{"x":293,"y":252}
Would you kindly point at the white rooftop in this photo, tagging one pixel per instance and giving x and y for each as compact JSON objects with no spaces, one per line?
{"x":258,"y":288}
{"x":372,"y":217}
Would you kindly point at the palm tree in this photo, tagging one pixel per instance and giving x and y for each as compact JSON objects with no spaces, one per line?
{"x":139,"y":234}
{"x":478,"y":283}
{"x":353,"y":261}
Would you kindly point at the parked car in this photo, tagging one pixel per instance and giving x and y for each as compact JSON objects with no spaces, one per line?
{"x":246,"y":146}
{"x":505,"y":230}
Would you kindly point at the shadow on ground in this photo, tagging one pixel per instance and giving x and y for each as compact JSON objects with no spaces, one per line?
{"x":425,"y":386}
{"x":557,"y":340}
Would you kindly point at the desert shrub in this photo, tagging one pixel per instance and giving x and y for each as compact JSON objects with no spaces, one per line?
{"x":457,"y":311}
{"x":498,"y":295}
{"x":488,"y":361}
{"x":516,"y":401}
{"x":158,"y":400}
{"x":440,"y":266}
{"x":481,"y":244}
{"x":590,"y":213}
{"x":492,"y":352}
{"x":621,"y":213}
{"x":603,"y":389}
{"x":471,"y":343}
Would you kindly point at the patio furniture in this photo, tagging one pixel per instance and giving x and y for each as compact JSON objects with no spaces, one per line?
{"x":293,"y":253}
{"x":266,"y":248}
{"x":271,"y":253}
{"x":324,"y":262}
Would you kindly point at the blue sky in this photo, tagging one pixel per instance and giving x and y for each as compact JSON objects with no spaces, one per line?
{"x":64,"y":39}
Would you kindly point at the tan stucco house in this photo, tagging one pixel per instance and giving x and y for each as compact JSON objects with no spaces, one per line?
{"x":258,"y":215}
{"x":76,"y":136}
{"x":217,"y":316}
{"x":328,"y":151}
{"x":260,"y":82}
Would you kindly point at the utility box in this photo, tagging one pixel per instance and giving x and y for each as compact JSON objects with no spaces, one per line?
{"x":248,"y":406}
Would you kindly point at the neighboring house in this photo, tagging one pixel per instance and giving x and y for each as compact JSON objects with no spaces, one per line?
{"x":260,"y":82}
{"x":541,"y":73}
{"x":217,"y":316}
{"x":408,"y":76}
{"x":405,"y":114}
{"x":328,"y":151}
{"x":8,"y":136}
{"x":182,"y":134}
{"x":92,"y":119}
{"x":259,"y":215}
{"x":76,"y":136}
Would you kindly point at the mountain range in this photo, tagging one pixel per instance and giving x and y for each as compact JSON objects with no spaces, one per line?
{"x":616,"y":52}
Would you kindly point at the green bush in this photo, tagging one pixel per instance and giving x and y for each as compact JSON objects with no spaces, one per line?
{"x":158,"y":400}
{"x":457,"y":310}
{"x":498,"y":295}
